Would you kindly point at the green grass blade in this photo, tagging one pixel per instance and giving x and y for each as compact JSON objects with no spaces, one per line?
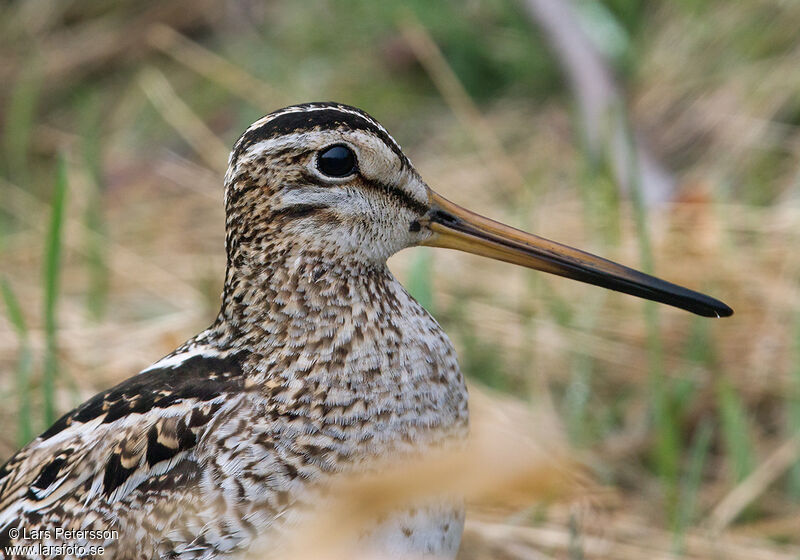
{"x":581,"y":426}
{"x":420,"y":279}
{"x":13,"y":309}
{"x":793,"y":412}
{"x":480,"y":359}
{"x":686,"y":510}
{"x":667,"y":430}
{"x":19,"y":123}
{"x":735,"y":431}
{"x":24,"y":364}
{"x":575,"y":548}
{"x":52,"y":266}
{"x":576,"y":398}
{"x":96,"y":246}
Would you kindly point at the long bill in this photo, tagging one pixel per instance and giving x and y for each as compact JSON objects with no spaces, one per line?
{"x":455,"y":227}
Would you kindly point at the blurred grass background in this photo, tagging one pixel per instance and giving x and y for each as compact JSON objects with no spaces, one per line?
{"x":116,"y":121}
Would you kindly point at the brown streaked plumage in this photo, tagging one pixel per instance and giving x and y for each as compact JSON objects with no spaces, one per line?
{"x":318,"y":361}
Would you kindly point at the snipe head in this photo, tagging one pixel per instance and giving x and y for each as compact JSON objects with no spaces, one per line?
{"x":330,"y":179}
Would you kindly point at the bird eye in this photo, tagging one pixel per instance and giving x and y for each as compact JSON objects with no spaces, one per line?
{"x":337,"y":161}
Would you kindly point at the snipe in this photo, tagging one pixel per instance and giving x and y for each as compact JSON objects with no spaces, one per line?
{"x":318,"y":361}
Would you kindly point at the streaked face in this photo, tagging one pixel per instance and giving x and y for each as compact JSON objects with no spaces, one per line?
{"x":329,"y":177}
{"x":330,"y":174}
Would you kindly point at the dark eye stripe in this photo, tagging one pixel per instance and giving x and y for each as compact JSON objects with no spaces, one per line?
{"x":302,"y":210}
{"x":399,"y":195}
{"x":296,"y":211}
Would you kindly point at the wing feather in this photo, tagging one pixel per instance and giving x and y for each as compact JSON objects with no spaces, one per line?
{"x":103,"y":451}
